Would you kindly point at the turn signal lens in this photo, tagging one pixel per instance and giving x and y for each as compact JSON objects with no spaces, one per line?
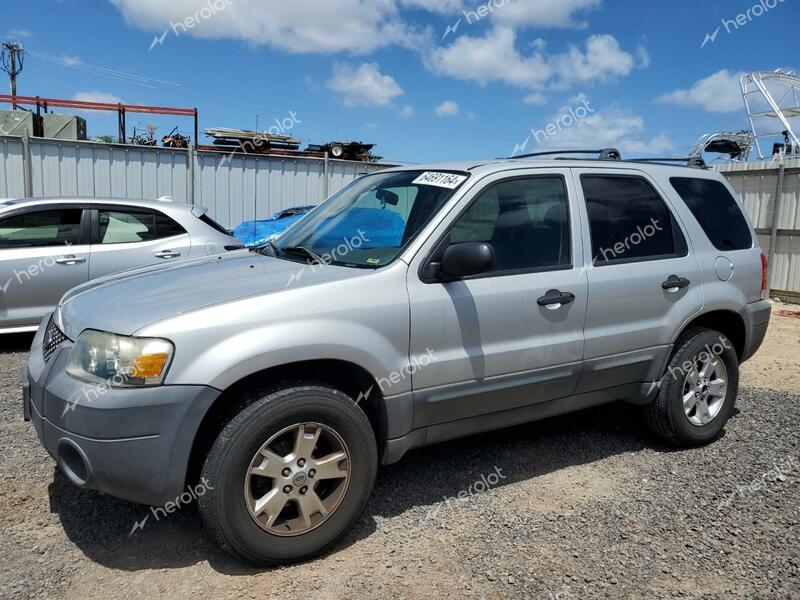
{"x":149,"y":365}
{"x":764,"y":277}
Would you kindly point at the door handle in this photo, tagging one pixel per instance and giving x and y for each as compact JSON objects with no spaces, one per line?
{"x":675,"y":283}
{"x":167,"y":254}
{"x":555,"y":299}
{"x":70,"y":259}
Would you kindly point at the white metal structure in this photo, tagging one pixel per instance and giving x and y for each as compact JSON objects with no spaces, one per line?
{"x":737,"y":145}
{"x":772,"y":97}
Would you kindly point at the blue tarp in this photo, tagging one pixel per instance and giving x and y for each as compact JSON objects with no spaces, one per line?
{"x":258,"y":233}
{"x":382,"y":228}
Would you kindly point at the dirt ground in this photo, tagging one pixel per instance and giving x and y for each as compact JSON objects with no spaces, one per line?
{"x":588,"y":506}
{"x":778,"y":361}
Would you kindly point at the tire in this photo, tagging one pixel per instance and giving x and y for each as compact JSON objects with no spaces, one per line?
{"x":666,"y":415}
{"x":226,"y":506}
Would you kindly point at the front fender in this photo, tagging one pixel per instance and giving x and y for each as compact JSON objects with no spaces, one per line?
{"x":234,"y":357}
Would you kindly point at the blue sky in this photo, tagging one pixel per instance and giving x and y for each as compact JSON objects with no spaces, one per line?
{"x":384,"y":71}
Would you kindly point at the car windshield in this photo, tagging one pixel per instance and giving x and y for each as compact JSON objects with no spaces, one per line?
{"x":368,"y":223}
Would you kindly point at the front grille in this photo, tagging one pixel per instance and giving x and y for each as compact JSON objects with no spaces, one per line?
{"x":53,"y":338}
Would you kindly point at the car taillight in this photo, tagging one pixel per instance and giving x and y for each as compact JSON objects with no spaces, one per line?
{"x":764,"y":276}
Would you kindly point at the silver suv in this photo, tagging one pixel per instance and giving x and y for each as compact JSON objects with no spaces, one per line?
{"x":417,"y":305}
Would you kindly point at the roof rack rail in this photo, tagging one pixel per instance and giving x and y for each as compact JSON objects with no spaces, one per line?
{"x":695,"y":162}
{"x":603,"y":154}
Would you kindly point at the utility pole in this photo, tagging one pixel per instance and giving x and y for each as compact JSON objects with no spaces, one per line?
{"x":11,"y":61}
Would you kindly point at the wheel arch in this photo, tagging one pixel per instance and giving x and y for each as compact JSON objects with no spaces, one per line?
{"x":727,"y":322}
{"x":347,"y":377}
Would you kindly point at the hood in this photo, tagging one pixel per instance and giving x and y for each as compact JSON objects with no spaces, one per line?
{"x":128,"y":301}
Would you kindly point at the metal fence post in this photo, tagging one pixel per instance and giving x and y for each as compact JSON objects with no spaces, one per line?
{"x":27,"y":166}
{"x":190,"y":175}
{"x":327,"y":178}
{"x":773,"y":236}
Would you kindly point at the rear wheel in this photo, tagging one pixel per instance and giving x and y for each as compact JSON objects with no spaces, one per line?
{"x":699,"y":389}
{"x":289,"y":474}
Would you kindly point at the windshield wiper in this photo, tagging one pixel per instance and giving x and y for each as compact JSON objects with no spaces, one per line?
{"x":268,"y":245}
{"x":304,"y":251}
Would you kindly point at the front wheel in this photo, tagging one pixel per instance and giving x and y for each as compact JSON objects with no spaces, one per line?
{"x":289,"y":475}
{"x":698,"y":391}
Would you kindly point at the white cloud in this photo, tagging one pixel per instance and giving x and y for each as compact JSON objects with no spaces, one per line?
{"x":492,"y":57}
{"x":448,"y":108}
{"x":407,"y":111}
{"x":323,"y":26}
{"x":513,"y":13}
{"x":718,"y":93}
{"x":96,"y":96}
{"x":603,"y":60}
{"x":611,"y":127}
{"x":19,"y":33}
{"x":535,"y":99}
{"x":302,"y":26}
{"x":543,"y":13}
{"x":364,"y":85}
{"x":495,"y":57}
{"x":442,"y":7}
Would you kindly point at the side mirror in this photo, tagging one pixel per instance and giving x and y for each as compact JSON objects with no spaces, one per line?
{"x":466,"y":259}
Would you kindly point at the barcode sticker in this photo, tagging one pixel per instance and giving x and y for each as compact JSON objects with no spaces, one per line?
{"x":446,"y":180}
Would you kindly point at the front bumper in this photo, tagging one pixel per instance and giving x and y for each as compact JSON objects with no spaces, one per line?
{"x":134,"y":444}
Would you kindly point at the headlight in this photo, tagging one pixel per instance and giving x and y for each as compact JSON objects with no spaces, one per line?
{"x":119,"y":361}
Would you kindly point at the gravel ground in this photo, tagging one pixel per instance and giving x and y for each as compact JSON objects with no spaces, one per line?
{"x":583,"y":506}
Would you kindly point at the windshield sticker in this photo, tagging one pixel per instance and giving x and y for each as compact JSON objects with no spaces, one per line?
{"x":373,"y":261}
{"x":446,"y":180}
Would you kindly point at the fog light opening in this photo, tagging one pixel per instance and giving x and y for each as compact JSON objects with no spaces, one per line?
{"x":73,"y":462}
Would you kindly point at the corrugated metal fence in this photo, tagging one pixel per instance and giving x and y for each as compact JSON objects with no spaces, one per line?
{"x":234,"y":188}
{"x":757,"y":184}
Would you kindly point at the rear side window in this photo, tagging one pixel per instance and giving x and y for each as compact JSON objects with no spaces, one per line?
{"x":41,"y":228}
{"x":717,"y":212}
{"x":213,"y":224}
{"x":127,"y":227}
{"x":629,"y":221}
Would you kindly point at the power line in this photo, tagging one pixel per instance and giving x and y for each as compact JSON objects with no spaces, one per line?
{"x":123,"y":76}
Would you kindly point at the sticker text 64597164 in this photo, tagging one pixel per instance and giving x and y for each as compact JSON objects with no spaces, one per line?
{"x":446,"y":180}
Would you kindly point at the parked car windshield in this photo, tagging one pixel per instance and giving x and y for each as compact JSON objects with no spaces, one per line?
{"x":369,"y":222}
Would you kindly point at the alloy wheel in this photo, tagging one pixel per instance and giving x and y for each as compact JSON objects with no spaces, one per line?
{"x":297,"y":479}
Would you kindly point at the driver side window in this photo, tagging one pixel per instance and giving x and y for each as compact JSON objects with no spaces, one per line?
{"x":525,"y":220}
